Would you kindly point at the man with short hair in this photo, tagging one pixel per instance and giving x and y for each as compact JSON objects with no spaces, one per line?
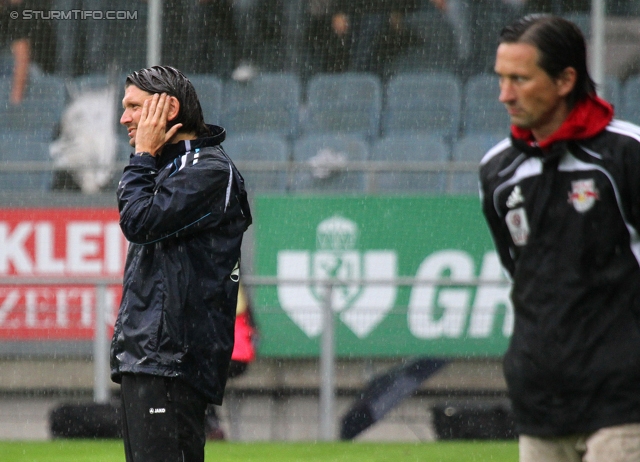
{"x":183,"y":208}
{"x":562,"y":200}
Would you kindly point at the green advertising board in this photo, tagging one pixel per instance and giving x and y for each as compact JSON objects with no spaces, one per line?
{"x":380,"y":238}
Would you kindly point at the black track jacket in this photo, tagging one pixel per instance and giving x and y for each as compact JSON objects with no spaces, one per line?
{"x":565,"y":219}
{"x":184,"y":214}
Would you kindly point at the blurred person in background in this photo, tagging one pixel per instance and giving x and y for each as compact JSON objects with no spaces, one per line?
{"x":81,"y":43}
{"x":561,"y":197}
{"x":475,"y":24}
{"x":259,"y":37}
{"x":357,"y":36}
{"x":16,"y":35}
{"x":368,"y":20}
{"x":183,"y":209}
{"x":328,"y":38}
{"x":198,"y":35}
{"x":230,"y":38}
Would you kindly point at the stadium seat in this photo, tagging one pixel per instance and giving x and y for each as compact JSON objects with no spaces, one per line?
{"x":471,"y":148}
{"x":582,"y":20}
{"x":326,"y":156}
{"x":612,"y":91}
{"x":18,"y":148}
{"x":629,"y":109}
{"x":123,"y":153}
{"x":428,"y":102}
{"x":404,"y":149}
{"x":92,"y":81}
{"x":482,"y":111}
{"x":267,"y":103}
{"x":246,"y":149}
{"x":209,"y":90}
{"x":100,"y":80}
{"x":433,"y":44}
{"x":41,"y":107}
{"x":347,"y":103}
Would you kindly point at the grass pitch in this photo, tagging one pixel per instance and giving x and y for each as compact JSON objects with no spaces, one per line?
{"x":112,"y":451}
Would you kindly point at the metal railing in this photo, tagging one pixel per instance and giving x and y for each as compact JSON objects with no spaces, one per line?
{"x":370,"y":168}
{"x":258,"y":166}
{"x":100,"y":350}
{"x":327,"y":399}
{"x":327,"y":403}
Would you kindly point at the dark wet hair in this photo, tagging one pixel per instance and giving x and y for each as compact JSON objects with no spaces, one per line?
{"x":166,"y":79}
{"x":560,"y":44}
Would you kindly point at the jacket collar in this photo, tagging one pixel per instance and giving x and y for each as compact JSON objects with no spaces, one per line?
{"x":171,"y":151}
{"x":587,"y":118}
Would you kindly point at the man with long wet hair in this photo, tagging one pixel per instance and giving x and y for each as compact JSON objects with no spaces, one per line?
{"x":183,"y":208}
{"x":561,"y":196}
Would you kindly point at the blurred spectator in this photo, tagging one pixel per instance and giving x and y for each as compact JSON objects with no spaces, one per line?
{"x":273,"y":18}
{"x":16,"y":36}
{"x":193,"y":32}
{"x":243,"y":29}
{"x":367,"y":19}
{"x":476,"y":23}
{"x":328,"y":38}
{"x":260,"y":37}
{"x":80,"y":43}
{"x":458,"y":15}
{"x":397,"y":36}
{"x":224,"y":37}
{"x":122,"y":33}
{"x":357,"y":35}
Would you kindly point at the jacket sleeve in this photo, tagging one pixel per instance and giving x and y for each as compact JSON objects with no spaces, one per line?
{"x":155,"y":204}
{"x":631,"y":169}
{"x":499,"y":233}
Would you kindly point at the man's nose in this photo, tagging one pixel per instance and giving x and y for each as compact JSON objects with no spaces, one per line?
{"x":126,"y":117}
{"x":506,"y":92}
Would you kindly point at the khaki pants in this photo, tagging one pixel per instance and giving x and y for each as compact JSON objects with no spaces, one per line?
{"x":612,"y":444}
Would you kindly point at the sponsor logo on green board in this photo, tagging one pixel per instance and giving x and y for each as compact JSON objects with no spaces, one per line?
{"x":353,"y":239}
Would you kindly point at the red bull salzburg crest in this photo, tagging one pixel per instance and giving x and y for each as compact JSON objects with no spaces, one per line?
{"x":583,"y":195}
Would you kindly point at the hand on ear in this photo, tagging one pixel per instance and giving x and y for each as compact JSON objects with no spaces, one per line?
{"x":152,"y":133}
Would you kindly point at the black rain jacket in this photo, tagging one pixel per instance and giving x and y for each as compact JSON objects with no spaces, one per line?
{"x":565,"y":222}
{"x":184,"y":213}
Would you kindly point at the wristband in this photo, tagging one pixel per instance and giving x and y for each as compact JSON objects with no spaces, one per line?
{"x":142,"y":153}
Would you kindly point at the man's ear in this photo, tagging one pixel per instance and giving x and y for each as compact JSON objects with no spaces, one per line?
{"x":566,"y":81}
{"x":174,"y":108}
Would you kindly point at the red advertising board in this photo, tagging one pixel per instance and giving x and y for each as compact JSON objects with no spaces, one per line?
{"x":63,"y":246}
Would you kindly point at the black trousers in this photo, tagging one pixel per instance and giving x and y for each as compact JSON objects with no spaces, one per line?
{"x":163,"y":420}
